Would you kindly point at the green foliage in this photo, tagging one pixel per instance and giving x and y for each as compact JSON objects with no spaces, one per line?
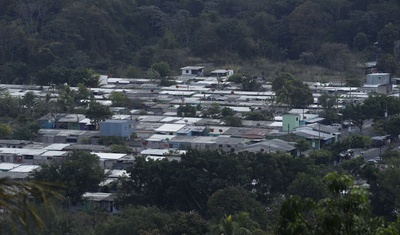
{"x":80,"y":172}
{"x":250,"y":84}
{"x":302,"y":145}
{"x":387,"y":36}
{"x":385,"y":189}
{"x":356,"y":113}
{"x":162,"y":68}
{"x":393,"y":125}
{"x":168,"y":41}
{"x":258,"y":115}
{"x":188,"y":184}
{"x":167,"y":82}
{"x":5,"y":131}
{"x":346,"y":211}
{"x":110,"y":140}
{"x":119,"y":99}
{"x":186,"y":111}
{"x":151,"y":220}
{"x":97,"y":112}
{"x":322,"y":156}
{"x":47,"y":43}
{"x":115,"y":148}
{"x":231,"y":201}
{"x":387,"y":63}
{"x":308,"y":186}
{"x":232,"y":121}
{"x":27,"y":131}
{"x":360,"y":41}
{"x":227,"y":112}
{"x":213,"y":111}
{"x":18,"y":208}
{"x":291,"y":91}
{"x":236,"y":78}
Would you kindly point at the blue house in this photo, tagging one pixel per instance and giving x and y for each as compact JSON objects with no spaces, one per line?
{"x":121,"y":128}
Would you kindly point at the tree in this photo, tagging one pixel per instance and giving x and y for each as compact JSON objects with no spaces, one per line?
{"x":232,"y":121}
{"x":393,"y":126}
{"x":328,"y":103}
{"x":18,"y":199}
{"x":79,"y":173}
{"x":229,"y":227}
{"x":91,"y":79}
{"x":26,"y":131}
{"x":236,"y":78}
{"x":308,"y":186}
{"x":151,"y":220}
{"x":82,"y":94}
{"x":360,"y":41}
{"x":227,"y":112}
{"x":233,"y":200}
{"x":302,"y":145}
{"x":250,"y":84}
{"x":162,"y":68}
{"x":119,"y":99}
{"x":356,"y":113}
{"x":186,"y":111}
{"x":97,"y":112}
{"x":387,"y":63}
{"x":387,"y":36}
{"x":5,"y":131}
{"x":346,"y":211}
{"x":213,"y":111}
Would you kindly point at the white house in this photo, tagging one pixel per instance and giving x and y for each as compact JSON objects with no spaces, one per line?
{"x":192,"y":70}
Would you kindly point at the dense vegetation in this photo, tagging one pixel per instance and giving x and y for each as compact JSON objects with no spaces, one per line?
{"x":213,"y":192}
{"x":47,"y":41}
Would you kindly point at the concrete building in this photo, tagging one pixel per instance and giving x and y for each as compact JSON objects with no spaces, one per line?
{"x":120,"y":128}
{"x":192,"y":70}
{"x":290,"y":122}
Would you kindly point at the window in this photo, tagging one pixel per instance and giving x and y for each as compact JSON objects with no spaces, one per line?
{"x":29,"y":157}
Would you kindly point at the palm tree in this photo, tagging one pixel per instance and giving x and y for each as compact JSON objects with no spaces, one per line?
{"x":91,"y":79}
{"x":17,"y":202}
{"x":229,"y":227}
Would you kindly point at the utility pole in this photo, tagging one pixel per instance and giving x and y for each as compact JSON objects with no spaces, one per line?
{"x":319,"y":136}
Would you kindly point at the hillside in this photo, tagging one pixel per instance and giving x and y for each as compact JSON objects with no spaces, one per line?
{"x":48,"y":41}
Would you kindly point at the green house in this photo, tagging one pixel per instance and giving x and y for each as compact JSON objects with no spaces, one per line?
{"x":290,"y":122}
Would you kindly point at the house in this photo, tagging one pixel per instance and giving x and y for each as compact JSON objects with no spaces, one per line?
{"x":13,"y":143}
{"x":19,"y":172}
{"x":121,"y":128}
{"x":61,"y":121}
{"x":21,"y":156}
{"x":290,"y":122}
{"x":51,"y":155}
{"x":270,"y":146}
{"x":192,"y":70}
{"x":99,"y":201}
{"x":221,"y":73}
{"x":158,"y":154}
{"x":316,"y":138}
{"x":169,"y":129}
{"x":66,"y":136}
{"x":107,"y":160}
{"x":192,"y":131}
{"x":378,"y":78}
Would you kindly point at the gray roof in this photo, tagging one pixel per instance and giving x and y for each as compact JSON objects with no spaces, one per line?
{"x":63,"y":132}
{"x":269,"y":146}
{"x":88,"y":147}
